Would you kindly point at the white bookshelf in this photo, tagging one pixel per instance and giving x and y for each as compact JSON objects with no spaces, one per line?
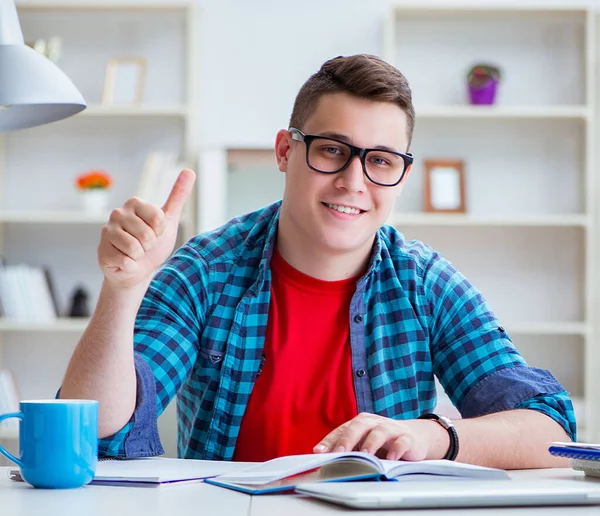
{"x":527,"y":238}
{"x":41,"y":222}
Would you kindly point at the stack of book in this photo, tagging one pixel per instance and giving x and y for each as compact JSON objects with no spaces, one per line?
{"x":26,"y":294}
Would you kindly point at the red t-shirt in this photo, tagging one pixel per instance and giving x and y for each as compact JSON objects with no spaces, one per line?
{"x":305,"y":389}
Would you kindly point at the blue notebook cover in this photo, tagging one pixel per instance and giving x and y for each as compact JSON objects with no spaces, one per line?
{"x":572,"y":452}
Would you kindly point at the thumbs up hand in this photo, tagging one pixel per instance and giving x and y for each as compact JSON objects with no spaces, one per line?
{"x":140,"y":236}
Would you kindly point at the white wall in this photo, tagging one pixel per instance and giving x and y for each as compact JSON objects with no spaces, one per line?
{"x":256,"y":55}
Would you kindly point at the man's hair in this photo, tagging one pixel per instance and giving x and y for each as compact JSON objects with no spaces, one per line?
{"x":362,"y":75}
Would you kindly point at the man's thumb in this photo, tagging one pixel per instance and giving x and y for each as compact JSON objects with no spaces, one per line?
{"x":180,"y":192}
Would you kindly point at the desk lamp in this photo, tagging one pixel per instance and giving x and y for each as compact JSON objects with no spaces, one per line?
{"x":33,"y":90}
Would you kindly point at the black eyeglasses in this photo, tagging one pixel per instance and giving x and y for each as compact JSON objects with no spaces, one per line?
{"x":330,"y":156}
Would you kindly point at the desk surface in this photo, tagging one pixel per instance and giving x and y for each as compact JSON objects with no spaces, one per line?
{"x":19,"y":499}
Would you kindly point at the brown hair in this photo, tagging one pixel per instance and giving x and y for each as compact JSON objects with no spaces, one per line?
{"x":362,"y":75}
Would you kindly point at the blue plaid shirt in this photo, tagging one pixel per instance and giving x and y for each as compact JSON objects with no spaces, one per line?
{"x":201,"y":327}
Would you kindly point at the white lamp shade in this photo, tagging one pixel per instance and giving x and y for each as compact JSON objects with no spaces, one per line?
{"x":33,"y":90}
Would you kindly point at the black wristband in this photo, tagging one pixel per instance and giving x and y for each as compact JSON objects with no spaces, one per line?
{"x":447,"y":424}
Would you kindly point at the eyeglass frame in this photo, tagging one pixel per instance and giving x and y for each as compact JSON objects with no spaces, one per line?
{"x":299,"y":136}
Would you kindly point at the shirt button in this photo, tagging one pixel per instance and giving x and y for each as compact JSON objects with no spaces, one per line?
{"x":358,"y":318}
{"x":360,"y":373}
{"x":501,"y":329}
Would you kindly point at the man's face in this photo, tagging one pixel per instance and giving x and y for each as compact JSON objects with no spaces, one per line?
{"x":312,"y":200}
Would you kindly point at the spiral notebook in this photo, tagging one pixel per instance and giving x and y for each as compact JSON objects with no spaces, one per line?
{"x":585,"y":457}
{"x":153,"y":472}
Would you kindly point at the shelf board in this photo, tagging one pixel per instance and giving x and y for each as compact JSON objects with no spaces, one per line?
{"x":504,"y":112}
{"x":548,"y":328}
{"x":65,"y":217}
{"x":476,"y":6}
{"x":62,"y":324}
{"x":464,"y":220}
{"x":52,"y":217}
{"x":109,"y":5}
{"x":100,"y":110}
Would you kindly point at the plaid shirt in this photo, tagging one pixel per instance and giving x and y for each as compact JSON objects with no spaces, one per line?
{"x":201,"y":328}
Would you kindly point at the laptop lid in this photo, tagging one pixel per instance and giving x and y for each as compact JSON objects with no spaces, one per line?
{"x":467,"y":493}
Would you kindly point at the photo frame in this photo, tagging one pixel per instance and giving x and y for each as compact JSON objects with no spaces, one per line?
{"x":124,"y":81}
{"x":444,"y":190}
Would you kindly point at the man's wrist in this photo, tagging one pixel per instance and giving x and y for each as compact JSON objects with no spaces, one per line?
{"x":450,"y":442}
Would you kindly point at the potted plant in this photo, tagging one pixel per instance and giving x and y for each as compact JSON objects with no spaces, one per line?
{"x":483,"y":80}
{"x":94,"y":186}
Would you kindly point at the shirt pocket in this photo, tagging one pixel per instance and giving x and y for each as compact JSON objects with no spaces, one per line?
{"x":208,"y":366}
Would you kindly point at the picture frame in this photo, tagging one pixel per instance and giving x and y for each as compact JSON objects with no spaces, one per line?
{"x":444,"y":190}
{"x":124,"y":81}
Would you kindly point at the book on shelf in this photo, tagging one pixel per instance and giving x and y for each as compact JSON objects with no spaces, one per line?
{"x":26,"y":294}
{"x":284,"y":473}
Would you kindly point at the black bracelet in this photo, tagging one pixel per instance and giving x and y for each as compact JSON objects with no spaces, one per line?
{"x":447,"y":424}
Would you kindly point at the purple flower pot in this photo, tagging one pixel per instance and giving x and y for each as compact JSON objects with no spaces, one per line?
{"x":485,"y":94}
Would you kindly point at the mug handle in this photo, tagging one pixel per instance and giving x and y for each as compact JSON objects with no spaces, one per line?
{"x":8,"y":455}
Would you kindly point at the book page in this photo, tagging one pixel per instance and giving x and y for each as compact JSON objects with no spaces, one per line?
{"x":283,"y":467}
{"x":394,"y":469}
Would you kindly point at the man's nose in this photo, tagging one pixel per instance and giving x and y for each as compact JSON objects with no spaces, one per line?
{"x":352,"y":178}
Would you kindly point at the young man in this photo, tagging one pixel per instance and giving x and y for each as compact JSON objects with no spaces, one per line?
{"x":309,"y":325}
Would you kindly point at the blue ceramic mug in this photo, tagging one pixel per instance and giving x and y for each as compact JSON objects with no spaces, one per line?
{"x":58,"y":442}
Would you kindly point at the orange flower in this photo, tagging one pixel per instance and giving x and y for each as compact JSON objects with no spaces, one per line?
{"x":93,"y":179}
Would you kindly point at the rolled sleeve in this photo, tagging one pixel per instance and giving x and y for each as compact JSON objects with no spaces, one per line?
{"x":521,"y":387}
{"x":557,"y":406}
{"x":139,"y":437}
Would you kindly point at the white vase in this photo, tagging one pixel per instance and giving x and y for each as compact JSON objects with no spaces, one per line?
{"x":94,"y":200}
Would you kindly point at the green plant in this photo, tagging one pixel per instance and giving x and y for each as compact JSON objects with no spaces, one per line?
{"x":480,"y":74}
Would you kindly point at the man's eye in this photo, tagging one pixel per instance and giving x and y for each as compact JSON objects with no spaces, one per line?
{"x":380,"y":161}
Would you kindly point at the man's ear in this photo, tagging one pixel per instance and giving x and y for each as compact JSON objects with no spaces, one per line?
{"x":282,"y":149}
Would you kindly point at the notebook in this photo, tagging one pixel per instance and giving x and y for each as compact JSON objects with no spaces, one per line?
{"x":153,"y":472}
{"x":444,"y":494}
{"x":585,"y":457}
{"x":285,"y":473}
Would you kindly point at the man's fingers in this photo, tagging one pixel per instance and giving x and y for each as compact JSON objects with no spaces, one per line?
{"x":375,"y":439}
{"x":179,"y":193}
{"x":356,"y":432}
{"x":347,"y":436}
{"x":330,"y":439}
{"x":140,"y":230}
{"x":127,"y":244}
{"x":152,"y":215}
{"x":118,"y":261}
{"x":399,"y":447}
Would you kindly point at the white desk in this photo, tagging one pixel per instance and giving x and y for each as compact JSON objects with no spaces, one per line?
{"x":195,"y":499}
{"x":19,"y":499}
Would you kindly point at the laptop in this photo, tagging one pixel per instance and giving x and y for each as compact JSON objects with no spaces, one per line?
{"x":445,"y":494}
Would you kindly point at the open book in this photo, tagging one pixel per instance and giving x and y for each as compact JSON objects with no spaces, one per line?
{"x":285,"y":473}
